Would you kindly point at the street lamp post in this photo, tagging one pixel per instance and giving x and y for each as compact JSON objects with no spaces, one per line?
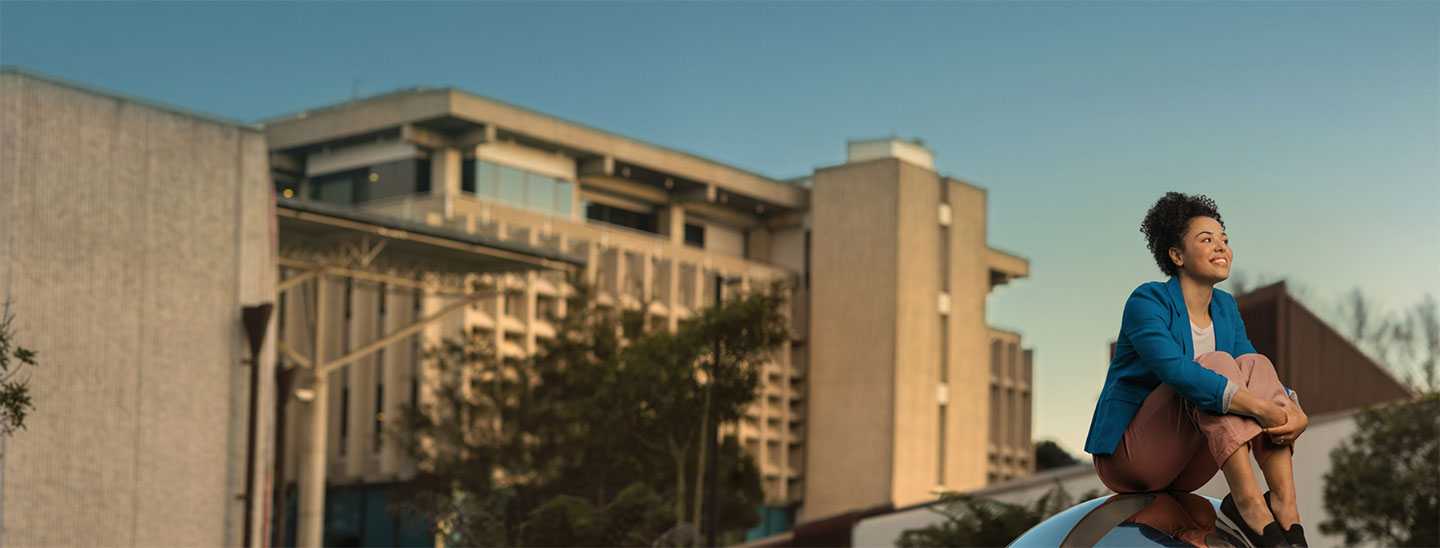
{"x":712,"y":438}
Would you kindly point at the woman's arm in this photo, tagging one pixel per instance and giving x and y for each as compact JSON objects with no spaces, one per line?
{"x":1146,"y":324}
{"x":1268,"y":414}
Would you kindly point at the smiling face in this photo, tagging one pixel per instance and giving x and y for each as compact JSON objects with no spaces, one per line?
{"x":1207,"y":256}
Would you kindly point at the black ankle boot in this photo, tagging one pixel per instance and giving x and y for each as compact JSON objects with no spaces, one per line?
{"x":1295,"y":535}
{"x":1273,"y":535}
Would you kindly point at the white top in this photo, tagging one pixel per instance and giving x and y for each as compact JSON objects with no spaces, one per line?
{"x":1205,"y":342}
{"x":1204,"y":338}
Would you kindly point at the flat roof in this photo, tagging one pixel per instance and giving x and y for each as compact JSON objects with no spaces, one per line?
{"x":412,"y":243}
{"x":420,"y":106}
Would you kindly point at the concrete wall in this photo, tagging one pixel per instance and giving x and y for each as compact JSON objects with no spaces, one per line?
{"x":887,"y":357}
{"x":853,"y":287}
{"x":132,"y":236}
{"x":969,"y":335}
{"x":917,"y":327}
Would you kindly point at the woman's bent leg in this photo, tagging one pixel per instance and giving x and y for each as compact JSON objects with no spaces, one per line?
{"x":1228,"y":432}
{"x":1158,"y":444}
{"x":1280,"y":477}
{"x":1245,"y":490}
{"x":1262,"y":380}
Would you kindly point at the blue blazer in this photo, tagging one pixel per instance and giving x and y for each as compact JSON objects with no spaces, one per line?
{"x":1155,"y":346}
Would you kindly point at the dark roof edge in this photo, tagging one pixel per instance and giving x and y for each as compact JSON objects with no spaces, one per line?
{"x":87,"y":88}
{"x":396,"y":223}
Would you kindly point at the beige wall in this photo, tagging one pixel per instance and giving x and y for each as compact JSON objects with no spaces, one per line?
{"x":133,"y":235}
{"x":887,"y":359}
{"x":851,"y":407}
{"x":917,"y":327}
{"x":969,"y":335}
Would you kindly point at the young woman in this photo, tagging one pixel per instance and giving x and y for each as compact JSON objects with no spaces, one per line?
{"x":1186,"y":393}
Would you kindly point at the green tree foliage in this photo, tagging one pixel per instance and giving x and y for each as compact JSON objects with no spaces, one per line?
{"x":1049,"y":454}
{"x":1384,"y":482}
{"x":596,"y":440}
{"x":15,"y":402}
{"x":976,"y":521}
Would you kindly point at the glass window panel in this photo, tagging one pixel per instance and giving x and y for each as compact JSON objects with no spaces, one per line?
{"x":422,"y":175}
{"x":695,"y":235}
{"x":541,"y":192}
{"x":391,"y":179}
{"x":334,"y":189}
{"x":562,"y":197}
{"x":512,"y":185}
{"x":485,"y":185}
{"x":467,"y":176}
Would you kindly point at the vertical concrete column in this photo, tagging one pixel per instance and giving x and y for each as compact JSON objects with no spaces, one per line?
{"x":528,"y":315}
{"x":622,"y":276}
{"x":592,"y":264}
{"x":562,"y":281}
{"x":445,"y":176}
{"x":671,"y":219}
{"x":498,"y":312}
{"x":757,"y":244}
{"x":672,"y":293}
{"x":647,"y":278}
{"x":312,"y":461}
{"x":359,"y":382}
{"x":394,"y":378}
{"x":698,"y":282}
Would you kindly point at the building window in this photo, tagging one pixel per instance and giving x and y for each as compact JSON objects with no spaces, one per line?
{"x":620,"y":216}
{"x":695,"y":235}
{"x":467,"y":176}
{"x":517,"y":187}
{"x":337,"y":188}
{"x":388,"y":180}
{"x":807,"y":259}
{"x":514,"y":303}
{"x":286,"y":185}
{"x":512,"y":185}
{"x":940,"y":457}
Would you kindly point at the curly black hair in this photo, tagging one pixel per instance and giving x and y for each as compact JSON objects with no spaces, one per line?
{"x":1165,"y":225}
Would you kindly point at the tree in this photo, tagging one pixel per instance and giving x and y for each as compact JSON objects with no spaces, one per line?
{"x":1049,"y":454}
{"x":15,"y":402}
{"x":1407,"y":342}
{"x":976,"y":521}
{"x":594,"y":440}
{"x":1384,"y":482}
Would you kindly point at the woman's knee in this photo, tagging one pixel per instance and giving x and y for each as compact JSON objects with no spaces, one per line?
{"x":1255,"y":362}
{"x":1220,"y":362}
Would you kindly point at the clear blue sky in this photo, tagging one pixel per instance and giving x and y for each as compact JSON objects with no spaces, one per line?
{"x":1315,"y":126}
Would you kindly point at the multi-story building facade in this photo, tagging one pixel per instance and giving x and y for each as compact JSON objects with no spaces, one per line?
{"x":1011,"y":451}
{"x":885,"y":391}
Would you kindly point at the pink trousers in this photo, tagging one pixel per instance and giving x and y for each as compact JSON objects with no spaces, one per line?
{"x":1171,"y":445}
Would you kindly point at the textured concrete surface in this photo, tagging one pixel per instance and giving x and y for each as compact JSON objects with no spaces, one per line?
{"x":130,"y":237}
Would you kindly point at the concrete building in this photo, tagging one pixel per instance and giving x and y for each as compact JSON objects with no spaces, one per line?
{"x":132,"y":235}
{"x":1011,"y":451}
{"x":882,"y":396}
{"x":135,"y":234}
